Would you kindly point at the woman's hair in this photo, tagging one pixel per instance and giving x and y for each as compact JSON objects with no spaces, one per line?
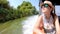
{"x":53,"y":15}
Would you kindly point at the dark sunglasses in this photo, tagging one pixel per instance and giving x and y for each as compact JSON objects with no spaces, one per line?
{"x":46,"y":5}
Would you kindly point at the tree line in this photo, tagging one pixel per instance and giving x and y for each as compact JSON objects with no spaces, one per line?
{"x":7,"y":12}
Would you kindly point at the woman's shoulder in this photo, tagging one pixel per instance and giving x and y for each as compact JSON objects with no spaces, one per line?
{"x":39,"y":21}
{"x":40,"y":18}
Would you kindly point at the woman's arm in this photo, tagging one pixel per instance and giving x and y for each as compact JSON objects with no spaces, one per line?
{"x":57,"y":25}
{"x":38,"y":28}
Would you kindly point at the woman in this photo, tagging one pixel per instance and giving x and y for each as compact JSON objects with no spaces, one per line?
{"x":48,"y":22}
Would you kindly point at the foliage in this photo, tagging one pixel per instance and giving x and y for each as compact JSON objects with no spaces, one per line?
{"x":9,"y":13}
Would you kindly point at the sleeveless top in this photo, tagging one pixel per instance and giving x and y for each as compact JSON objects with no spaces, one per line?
{"x":49,"y":27}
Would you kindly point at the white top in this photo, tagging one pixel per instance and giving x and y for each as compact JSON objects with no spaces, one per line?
{"x":48,"y":25}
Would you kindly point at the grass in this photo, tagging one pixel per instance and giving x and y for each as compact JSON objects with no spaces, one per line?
{"x":12,"y":26}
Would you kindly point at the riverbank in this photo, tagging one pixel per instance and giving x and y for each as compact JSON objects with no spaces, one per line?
{"x":12,"y":26}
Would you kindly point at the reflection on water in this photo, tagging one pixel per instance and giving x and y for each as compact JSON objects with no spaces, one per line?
{"x":29,"y":24}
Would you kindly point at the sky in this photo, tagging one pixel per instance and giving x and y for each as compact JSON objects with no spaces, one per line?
{"x":35,"y":3}
{"x":15,"y":3}
{"x":57,"y":9}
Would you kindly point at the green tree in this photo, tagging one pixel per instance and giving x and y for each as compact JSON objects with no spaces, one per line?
{"x":3,"y":14}
{"x":4,"y":4}
{"x":6,"y":12}
{"x":26,"y":8}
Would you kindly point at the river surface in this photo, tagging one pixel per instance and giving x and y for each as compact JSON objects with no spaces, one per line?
{"x":19,"y":26}
{"x":28,"y":24}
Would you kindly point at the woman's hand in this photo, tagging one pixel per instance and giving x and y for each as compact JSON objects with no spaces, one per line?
{"x":38,"y":31}
{"x":41,"y":33}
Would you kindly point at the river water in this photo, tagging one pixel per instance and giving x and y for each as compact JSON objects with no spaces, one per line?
{"x":28,"y":24}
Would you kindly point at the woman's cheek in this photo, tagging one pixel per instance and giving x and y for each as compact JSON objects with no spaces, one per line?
{"x":44,"y":11}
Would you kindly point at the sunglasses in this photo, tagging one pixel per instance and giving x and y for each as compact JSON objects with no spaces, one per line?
{"x":46,"y":5}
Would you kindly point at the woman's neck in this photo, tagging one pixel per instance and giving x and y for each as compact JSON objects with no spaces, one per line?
{"x":48,"y":16}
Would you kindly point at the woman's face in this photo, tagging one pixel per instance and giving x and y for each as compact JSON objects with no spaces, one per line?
{"x":46,"y":9}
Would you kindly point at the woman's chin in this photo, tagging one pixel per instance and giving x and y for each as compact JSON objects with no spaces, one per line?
{"x":44,"y":12}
